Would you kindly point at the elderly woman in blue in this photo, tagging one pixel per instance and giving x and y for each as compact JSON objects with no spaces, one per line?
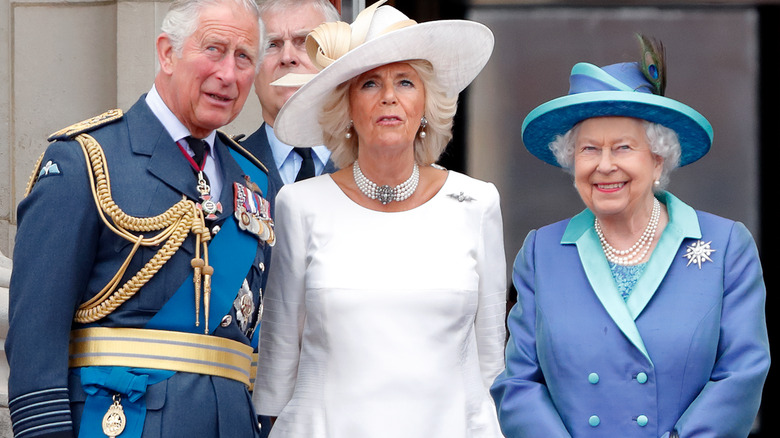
{"x":640,"y":316}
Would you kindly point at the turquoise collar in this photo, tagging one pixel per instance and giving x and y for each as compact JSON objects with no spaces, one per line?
{"x":683,"y":223}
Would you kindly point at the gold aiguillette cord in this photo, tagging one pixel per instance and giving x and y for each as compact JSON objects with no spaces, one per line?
{"x":202,"y":272}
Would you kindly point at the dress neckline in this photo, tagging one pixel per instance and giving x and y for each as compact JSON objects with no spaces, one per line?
{"x":438,"y":194}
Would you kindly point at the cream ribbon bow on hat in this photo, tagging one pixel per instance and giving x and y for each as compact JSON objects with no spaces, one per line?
{"x":332,"y":40}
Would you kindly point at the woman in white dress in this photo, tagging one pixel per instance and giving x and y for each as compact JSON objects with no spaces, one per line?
{"x":384,"y":311}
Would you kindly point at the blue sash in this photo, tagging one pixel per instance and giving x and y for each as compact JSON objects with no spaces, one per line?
{"x":231,"y":253}
{"x":101,"y":383}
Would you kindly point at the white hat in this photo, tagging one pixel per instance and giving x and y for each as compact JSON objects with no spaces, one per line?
{"x":457,"y":49}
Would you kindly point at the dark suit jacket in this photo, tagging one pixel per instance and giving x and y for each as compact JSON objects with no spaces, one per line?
{"x":258,"y":145}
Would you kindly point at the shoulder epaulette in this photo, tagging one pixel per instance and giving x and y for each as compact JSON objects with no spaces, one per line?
{"x":233,"y":144}
{"x":87,"y":125}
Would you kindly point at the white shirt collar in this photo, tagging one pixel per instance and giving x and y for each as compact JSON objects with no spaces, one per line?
{"x":170,"y":122}
{"x":178,"y":131}
{"x":282,"y":150}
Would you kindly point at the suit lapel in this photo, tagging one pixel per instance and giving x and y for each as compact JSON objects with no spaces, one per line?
{"x":683,"y":224}
{"x":580,"y":232}
{"x":258,"y":145}
{"x":166,"y":161}
{"x":330,"y":167}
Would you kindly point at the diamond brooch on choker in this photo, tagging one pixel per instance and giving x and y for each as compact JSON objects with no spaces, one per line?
{"x":386,"y":194}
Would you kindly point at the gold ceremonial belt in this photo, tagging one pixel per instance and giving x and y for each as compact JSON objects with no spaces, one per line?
{"x":163,"y":349}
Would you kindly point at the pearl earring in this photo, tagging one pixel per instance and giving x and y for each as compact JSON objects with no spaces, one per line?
{"x":423,"y":124}
{"x":348,"y":135}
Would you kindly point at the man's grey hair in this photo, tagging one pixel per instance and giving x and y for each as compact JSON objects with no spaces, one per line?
{"x":181,"y":21}
{"x":325,"y":7}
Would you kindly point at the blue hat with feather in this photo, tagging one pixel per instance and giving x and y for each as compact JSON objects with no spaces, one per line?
{"x":630,"y":89}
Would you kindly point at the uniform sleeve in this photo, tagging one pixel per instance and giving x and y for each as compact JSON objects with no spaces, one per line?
{"x":281,"y":328}
{"x":728,"y":404}
{"x":491,"y":310}
{"x":56,"y":240}
{"x":524,"y":406}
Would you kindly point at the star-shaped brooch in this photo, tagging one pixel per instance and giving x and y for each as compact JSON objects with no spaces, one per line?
{"x":698,"y":252}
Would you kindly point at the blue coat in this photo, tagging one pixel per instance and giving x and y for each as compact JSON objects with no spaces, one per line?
{"x":687,"y":351}
{"x":64,"y":255}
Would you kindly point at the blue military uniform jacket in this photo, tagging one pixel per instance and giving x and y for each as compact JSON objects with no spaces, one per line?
{"x":687,"y":351}
{"x":65,"y":254}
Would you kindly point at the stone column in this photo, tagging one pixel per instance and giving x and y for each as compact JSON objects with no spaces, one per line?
{"x":61,"y":62}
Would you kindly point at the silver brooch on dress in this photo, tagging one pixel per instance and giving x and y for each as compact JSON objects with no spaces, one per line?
{"x":698,"y":253}
{"x":461,"y":197}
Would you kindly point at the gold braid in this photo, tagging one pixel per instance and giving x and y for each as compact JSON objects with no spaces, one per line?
{"x":173,"y":225}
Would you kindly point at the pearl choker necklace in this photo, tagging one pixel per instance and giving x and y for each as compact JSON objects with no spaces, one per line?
{"x":386,"y":194}
{"x":637,"y":253}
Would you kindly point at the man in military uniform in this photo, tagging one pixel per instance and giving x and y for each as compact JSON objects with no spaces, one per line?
{"x":138,"y":261}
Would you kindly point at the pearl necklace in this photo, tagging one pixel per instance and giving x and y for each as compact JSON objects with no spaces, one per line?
{"x":637,"y":252}
{"x":386,"y":194}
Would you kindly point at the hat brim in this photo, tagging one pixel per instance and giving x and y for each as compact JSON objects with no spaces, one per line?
{"x":558,"y":116}
{"x":457,"y":49}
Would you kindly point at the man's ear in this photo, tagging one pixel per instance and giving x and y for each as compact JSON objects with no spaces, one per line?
{"x":165,"y":53}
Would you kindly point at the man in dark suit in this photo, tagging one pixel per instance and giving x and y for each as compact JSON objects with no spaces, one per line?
{"x":134,"y":297}
{"x":285,"y":26}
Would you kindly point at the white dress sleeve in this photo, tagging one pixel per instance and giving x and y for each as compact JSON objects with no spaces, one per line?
{"x":283,"y":310}
{"x":491,"y":311}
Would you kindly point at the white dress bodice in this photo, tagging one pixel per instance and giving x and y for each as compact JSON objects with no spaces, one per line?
{"x":383,"y":324}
